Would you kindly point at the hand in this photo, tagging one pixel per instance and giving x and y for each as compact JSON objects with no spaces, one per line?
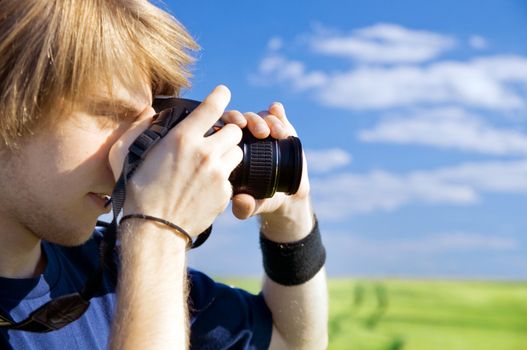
{"x":184,"y":178}
{"x":271,"y":122}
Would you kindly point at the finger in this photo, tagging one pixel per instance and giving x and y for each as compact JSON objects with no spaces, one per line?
{"x":231,"y":158}
{"x":243,"y":206}
{"x":228,"y":136}
{"x":277,"y":127}
{"x":208,"y":111}
{"x":234,"y":117}
{"x":277,"y":109}
{"x":257,"y":126}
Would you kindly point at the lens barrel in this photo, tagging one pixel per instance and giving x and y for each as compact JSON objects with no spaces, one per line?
{"x":268,"y":165}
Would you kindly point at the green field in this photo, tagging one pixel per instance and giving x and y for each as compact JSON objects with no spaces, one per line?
{"x":423,"y":314}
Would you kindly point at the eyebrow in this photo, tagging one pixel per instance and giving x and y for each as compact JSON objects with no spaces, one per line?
{"x":117,"y":106}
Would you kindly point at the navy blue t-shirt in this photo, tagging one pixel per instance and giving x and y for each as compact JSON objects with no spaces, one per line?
{"x":221,"y":317}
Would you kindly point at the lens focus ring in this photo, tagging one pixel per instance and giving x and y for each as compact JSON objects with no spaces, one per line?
{"x":262,"y":169}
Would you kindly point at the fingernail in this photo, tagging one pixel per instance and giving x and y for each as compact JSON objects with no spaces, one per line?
{"x":276,"y":105}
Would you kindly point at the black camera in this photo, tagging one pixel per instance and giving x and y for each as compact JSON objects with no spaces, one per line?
{"x":268,"y":166}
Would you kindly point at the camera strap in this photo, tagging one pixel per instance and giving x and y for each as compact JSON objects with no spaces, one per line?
{"x":63,"y":310}
{"x":163,"y":122}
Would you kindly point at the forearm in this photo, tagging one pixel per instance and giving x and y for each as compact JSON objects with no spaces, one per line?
{"x":300,"y":312}
{"x":152,"y":310}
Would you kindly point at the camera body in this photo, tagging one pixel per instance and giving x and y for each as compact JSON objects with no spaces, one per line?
{"x":268,"y":165}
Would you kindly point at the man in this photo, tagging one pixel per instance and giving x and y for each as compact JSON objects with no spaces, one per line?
{"x":77,"y":80}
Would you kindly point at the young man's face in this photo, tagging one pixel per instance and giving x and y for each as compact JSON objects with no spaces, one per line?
{"x":52,"y":186}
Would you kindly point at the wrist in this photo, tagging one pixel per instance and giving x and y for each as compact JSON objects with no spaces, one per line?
{"x":291,"y":222}
{"x":150,"y":236}
{"x":177,"y":230}
{"x":293,"y":263}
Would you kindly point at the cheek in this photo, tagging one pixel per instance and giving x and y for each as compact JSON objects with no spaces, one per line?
{"x":96,"y":151}
{"x":93,"y":139}
{"x":80,"y":151}
{"x":81,"y":163}
{"x":88,"y":138}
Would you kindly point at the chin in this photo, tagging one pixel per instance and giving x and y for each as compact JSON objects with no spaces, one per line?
{"x":77,"y":240}
{"x":82,"y":237}
{"x":71,"y":240}
{"x":71,"y":236}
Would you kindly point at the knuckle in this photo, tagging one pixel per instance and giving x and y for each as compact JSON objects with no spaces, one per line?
{"x":235,"y":131}
{"x":180,"y":136}
{"x":232,"y":133}
{"x":217,"y":175}
{"x":204,"y":156}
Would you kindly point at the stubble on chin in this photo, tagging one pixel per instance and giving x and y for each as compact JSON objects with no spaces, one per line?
{"x":60,"y":230}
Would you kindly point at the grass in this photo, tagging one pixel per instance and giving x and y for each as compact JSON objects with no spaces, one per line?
{"x":423,"y":314}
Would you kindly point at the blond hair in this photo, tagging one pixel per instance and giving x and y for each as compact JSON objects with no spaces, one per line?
{"x":54,"y":50}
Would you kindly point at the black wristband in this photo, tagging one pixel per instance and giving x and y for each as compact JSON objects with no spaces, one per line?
{"x":293,"y":263}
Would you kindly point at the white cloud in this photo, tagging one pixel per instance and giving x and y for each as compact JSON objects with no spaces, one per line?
{"x":459,"y":254}
{"x":413,"y":83}
{"x":466,"y":241}
{"x":383,"y":43}
{"x":450,"y":128}
{"x":499,"y":177}
{"x":325,"y":160}
{"x":477,"y":42}
{"x":446,"y":242}
{"x":412,"y":79}
{"x":277,"y":69}
{"x":487,"y":82}
{"x":275,"y":44}
{"x":341,"y":196}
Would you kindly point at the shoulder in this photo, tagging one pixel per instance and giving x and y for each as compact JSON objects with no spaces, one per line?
{"x":206,"y":293}
{"x":225,"y":315}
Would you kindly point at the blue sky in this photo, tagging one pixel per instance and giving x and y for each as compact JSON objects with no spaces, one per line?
{"x":413,"y":117}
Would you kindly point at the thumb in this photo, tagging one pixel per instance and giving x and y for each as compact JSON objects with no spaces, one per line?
{"x":245,"y":206}
{"x":119,"y":150}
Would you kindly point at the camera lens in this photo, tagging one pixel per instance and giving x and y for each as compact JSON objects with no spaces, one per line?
{"x":268,"y":166}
